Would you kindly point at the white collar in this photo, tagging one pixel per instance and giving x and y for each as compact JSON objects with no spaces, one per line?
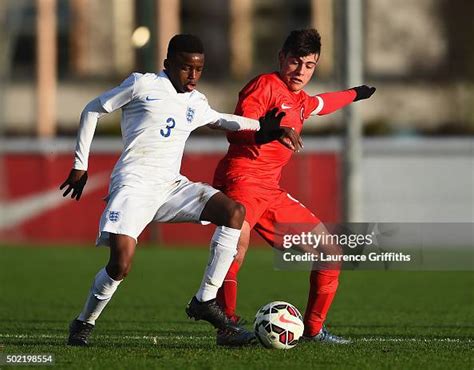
{"x":166,"y":81}
{"x":169,"y":85}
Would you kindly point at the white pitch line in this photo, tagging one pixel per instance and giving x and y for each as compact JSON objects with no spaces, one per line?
{"x":426,"y":340}
{"x":136,"y":337}
{"x":183,"y":337}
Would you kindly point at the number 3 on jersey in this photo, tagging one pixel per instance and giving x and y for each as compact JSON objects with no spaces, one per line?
{"x":170,"y":125}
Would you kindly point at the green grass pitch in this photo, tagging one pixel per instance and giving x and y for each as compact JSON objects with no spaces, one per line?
{"x":403,"y":320}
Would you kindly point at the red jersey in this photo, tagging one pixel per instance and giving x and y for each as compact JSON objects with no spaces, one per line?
{"x":262,"y":164}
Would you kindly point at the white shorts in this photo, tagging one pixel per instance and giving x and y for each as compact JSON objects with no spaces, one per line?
{"x":129,"y":210}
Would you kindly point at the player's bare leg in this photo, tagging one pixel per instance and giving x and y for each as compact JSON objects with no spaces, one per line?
{"x":244,"y":242}
{"x":106,"y":282}
{"x":223,"y":211}
{"x":122,"y":250}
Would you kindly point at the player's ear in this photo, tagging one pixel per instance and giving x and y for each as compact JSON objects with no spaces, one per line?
{"x":166,"y":64}
{"x":318,"y":58}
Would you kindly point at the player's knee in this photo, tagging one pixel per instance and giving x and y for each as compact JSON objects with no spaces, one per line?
{"x":118,"y":270}
{"x":126,"y":270}
{"x":236,"y":215}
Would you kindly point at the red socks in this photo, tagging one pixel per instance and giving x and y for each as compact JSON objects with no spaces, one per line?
{"x":227,"y":294}
{"x":323,"y":286}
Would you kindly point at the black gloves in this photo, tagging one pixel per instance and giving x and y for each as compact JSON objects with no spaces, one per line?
{"x":363,"y":92}
{"x":269,"y":127}
{"x":75,"y":182}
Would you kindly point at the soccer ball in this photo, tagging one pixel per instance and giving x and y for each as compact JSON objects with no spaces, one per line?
{"x":278,"y":325}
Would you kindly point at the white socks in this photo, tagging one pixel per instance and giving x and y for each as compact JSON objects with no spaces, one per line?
{"x":101,"y":291}
{"x":223,"y":250}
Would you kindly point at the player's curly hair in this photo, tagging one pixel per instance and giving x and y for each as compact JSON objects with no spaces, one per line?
{"x":300,"y":43}
{"x":184,"y":43}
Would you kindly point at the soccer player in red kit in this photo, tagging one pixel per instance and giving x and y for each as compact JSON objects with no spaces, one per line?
{"x":250,"y":173}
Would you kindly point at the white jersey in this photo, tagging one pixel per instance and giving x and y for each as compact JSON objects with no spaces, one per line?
{"x":156,"y":122}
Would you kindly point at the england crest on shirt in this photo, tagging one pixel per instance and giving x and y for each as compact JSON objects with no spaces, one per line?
{"x":190,"y":114}
{"x":114,"y":216}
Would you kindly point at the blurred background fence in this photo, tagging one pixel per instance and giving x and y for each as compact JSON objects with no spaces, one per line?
{"x":56,"y":55}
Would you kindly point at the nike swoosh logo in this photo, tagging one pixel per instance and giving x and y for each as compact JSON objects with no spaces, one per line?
{"x":18,"y":211}
{"x":286,"y":321}
{"x":151,"y":99}
{"x":284,"y":106}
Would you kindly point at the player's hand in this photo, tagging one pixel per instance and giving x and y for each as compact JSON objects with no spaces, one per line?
{"x":75,"y":182}
{"x":363,"y":92}
{"x":291,"y":139}
{"x":269,"y":127}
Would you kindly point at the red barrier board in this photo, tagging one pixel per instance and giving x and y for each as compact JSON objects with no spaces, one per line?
{"x":33,"y":209}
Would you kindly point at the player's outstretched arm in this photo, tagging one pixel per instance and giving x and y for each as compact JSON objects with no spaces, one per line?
{"x":75,"y":182}
{"x":265,"y":130}
{"x":232,"y":122}
{"x":333,"y":101}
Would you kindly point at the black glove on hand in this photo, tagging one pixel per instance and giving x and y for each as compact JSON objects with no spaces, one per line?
{"x":269,"y":127}
{"x":363,"y":92}
{"x":75,"y":182}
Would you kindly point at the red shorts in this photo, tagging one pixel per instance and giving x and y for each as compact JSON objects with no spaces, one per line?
{"x":267,"y":210}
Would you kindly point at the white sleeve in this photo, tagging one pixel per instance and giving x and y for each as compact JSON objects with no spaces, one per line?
{"x":107,"y":102}
{"x":119,"y":96}
{"x":232,"y":122}
{"x":209,"y":115}
{"x":89,"y":117}
{"x":226,"y":121}
{"x":320,"y":106}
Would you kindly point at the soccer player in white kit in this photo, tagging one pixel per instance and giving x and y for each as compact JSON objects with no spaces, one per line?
{"x":159,"y":111}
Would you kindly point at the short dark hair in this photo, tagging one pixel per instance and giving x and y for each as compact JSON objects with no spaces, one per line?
{"x":300,"y":43}
{"x":184,"y":43}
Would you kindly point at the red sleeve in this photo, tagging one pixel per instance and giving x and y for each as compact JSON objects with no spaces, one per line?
{"x":330,"y":102}
{"x":254,"y":100}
